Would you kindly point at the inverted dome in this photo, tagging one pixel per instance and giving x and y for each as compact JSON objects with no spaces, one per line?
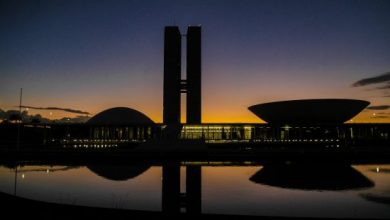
{"x":118,"y":172}
{"x":309,"y":111}
{"x":120,"y":116}
{"x":311,"y":177}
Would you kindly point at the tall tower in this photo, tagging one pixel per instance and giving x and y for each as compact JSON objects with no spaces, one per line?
{"x":174,"y":85}
{"x":172,"y":75}
{"x":194,"y":69}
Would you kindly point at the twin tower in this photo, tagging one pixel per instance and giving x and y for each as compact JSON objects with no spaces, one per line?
{"x":174,"y":84}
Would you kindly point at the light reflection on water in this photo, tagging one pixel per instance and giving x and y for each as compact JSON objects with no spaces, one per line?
{"x":359,"y":191}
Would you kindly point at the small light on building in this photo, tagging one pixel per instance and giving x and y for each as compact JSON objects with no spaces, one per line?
{"x":377,"y":169}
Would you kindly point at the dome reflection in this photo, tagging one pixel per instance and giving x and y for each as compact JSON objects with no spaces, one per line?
{"x":118,"y":172}
{"x":311,"y":177}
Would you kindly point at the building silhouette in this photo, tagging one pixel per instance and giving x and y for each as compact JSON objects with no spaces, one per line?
{"x":309,"y":111}
{"x":172,"y":75}
{"x":194,"y":72}
{"x":172,"y":197}
{"x":174,"y":84}
{"x":292,"y":122}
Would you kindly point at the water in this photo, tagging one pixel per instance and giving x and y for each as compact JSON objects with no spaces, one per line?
{"x":357,"y":191}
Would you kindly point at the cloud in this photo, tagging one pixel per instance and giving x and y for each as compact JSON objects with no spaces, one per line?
{"x":78,"y":119}
{"x":378,"y":107}
{"x":26,"y":118}
{"x":381,"y":116}
{"x":383,"y":87}
{"x":373,"y":80}
{"x":376,"y":198}
{"x":57,"y":108}
{"x":383,"y":113}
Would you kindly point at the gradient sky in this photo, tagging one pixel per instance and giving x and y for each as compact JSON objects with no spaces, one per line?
{"x":92,"y":55}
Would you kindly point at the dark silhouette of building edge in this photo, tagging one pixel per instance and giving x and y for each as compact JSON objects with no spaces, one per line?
{"x":174,"y":84}
{"x":309,"y":111}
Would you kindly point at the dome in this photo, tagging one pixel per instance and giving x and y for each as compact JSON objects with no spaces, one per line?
{"x":311,"y":177}
{"x":118,"y":172}
{"x":119,"y":116}
{"x":309,"y":111}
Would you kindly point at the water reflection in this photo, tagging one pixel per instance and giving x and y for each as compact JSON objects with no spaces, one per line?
{"x":118,"y":172}
{"x":376,"y":198}
{"x":311,"y":177}
{"x":174,"y":187}
{"x":47,"y":170}
{"x":172,"y":198}
{"x":9,"y":164}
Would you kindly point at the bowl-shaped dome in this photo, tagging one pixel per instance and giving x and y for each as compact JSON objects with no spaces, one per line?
{"x":119,"y":116}
{"x":312,"y":177}
{"x":118,"y":172}
{"x":309,"y":111}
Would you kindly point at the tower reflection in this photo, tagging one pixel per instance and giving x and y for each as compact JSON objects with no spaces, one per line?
{"x":311,"y":177}
{"x":171,"y":188}
{"x":172,"y":199}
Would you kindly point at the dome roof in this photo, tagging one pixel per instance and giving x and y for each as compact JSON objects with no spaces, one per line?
{"x":119,"y":116}
{"x":312,"y":177}
{"x":118,"y":172}
{"x":309,"y":111}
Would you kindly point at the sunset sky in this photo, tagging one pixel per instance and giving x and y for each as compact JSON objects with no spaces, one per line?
{"x":92,"y":55}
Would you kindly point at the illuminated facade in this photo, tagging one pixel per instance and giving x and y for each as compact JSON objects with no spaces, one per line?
{"x":254,"y":135}
{"x":258,"y":134}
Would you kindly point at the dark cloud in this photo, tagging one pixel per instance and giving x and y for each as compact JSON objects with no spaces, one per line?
{"x":381,"y":116}
{"x":373,"y":80}
{"x":378,"y":107}
{"x":376,"y":198}
{"x":57,"y":108}
{"x":383,"y":113}
{"x":26,"y":118}
{"x":78,"y":119}
{"x":383,"y":87}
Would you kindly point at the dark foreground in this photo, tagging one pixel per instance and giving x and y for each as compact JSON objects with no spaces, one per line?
{"x":25,"y":208}
{"x":21,"y":208}
{"x":356,"y":155}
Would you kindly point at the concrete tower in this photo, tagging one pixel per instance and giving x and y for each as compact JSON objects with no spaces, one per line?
{"x":172,"y":75}
{"x":194,"y":69}
{"x":174,"y":85}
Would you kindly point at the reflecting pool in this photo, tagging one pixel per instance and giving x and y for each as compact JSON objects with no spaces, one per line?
{"x":241,"y":188}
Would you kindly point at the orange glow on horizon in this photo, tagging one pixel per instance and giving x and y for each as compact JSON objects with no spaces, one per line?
{"x":213,"y":117}
{"x":229,"y":114}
